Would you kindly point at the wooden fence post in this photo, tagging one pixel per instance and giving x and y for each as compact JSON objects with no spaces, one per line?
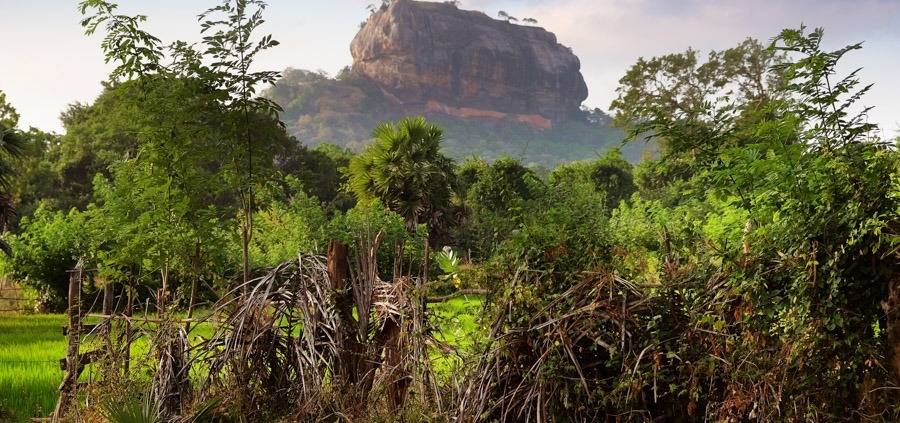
{"x":129,"y":310}
{"x":68,"y":389}
{"x":110,"y":315}
{"x":109,"y":296}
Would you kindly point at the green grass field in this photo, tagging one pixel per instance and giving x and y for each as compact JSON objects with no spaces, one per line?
{"x":30,"y":349}
{"x":31,"y":346}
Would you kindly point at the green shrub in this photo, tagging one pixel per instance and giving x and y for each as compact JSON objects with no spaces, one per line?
{"x":48,"y":244}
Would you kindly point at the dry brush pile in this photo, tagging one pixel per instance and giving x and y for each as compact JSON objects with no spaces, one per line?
{"x":291,"y":344}
{"x":702,"y":343}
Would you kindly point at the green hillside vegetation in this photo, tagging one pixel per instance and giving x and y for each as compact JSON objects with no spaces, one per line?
{"x":344,"y":109}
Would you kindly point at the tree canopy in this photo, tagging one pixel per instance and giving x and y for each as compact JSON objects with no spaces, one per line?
{"x":405,"y":169}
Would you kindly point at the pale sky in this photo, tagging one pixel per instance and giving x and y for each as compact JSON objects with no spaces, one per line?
{"x":46,"y":62}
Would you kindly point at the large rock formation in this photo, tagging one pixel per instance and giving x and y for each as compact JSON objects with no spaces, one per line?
{"x":498,"y":89}
{"x":436,"y":57}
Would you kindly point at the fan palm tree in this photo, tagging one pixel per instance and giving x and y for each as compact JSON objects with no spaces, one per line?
{"x":11,"y":147}
{"x":405,"y":169}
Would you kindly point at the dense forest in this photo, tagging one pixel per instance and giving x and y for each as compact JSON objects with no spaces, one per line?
{"x":749,"y":272}
{"x":342,"y":110}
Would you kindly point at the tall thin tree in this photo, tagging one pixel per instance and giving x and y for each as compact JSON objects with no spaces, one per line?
{"x":229,"y":44}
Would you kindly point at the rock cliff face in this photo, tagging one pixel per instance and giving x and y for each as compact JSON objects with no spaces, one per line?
{"x":435,"y":57}
{"x":497,"y":89}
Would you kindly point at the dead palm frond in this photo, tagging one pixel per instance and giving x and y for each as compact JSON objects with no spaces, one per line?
{"x":279,"y":342}
{"x":287,"y":338}
{"x":534,"y":370}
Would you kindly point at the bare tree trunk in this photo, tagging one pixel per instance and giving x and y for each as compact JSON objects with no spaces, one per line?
{"x":398,"y":260}
{"x":891,"y":307}
{"x":109,"y":294}
{"x":194,"y":281}
{"x":351,"y":349}
{"x":129,"y":311}
{"x":163,"y":292}
{"x":393,"y":366}
{"x":420,"y":321}
{"x":427,"y":260}
{"x":191,"y":301}
{"x":248,"y":234}
{"x":245,"y":250}
{"x":338,"y":266}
